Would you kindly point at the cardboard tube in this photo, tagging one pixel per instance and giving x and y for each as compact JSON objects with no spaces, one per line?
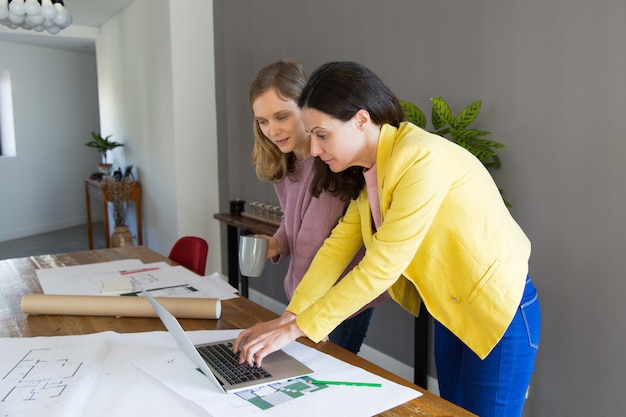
{"x":128,"y":306}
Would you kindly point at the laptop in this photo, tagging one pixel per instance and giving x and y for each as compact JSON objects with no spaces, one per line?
{"x":226,"y":373}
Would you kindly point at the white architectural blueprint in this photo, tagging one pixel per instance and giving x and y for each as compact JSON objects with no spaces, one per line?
{"x":145,"y":374}
{"x":161,"y":279}
{"x":46,"y":378}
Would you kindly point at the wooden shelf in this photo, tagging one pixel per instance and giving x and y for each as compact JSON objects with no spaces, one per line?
{"x":261,"y":219}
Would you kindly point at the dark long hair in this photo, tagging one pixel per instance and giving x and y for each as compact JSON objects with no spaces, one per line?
{"x":340,"y":90}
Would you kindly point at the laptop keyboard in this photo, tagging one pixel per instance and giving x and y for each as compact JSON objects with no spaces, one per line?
{"x":226,"y":362}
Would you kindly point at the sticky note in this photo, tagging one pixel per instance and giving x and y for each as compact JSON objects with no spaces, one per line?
{"x":116,"y":285}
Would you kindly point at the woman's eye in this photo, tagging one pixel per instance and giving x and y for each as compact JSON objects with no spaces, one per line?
{"x":261,"y":122}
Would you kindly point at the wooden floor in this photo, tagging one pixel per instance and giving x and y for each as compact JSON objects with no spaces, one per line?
{"x":60,"y":241}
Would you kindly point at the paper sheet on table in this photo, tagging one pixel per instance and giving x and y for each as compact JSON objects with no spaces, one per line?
{"x":177,"y":373}
{"x":41,"y":378}
{"x":160,"y":278}
{"x":107,"y":384}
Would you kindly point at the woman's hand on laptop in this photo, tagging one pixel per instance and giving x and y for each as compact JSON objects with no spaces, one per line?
{"x":260,"y":340}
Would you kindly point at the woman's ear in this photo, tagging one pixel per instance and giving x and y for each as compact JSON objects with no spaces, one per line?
{"x":362,"y":117}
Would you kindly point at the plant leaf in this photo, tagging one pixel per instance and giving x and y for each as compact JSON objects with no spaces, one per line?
{"x":441,"y":114}
{"x":413,"y":114}
{"x":466,"y":133}
{"x":468,"y":114}
{"x":494,"y":144}
{"x":442,"y":132}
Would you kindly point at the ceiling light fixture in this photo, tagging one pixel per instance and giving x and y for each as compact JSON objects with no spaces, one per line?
{"x":37,"y":15}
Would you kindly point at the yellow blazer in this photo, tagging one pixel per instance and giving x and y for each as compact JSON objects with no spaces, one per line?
{"x":446,"y":238}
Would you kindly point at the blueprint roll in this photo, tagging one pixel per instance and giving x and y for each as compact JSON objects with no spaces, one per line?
{"x":124,"y":306}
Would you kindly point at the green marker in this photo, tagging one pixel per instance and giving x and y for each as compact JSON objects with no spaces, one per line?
{"x":354,"y":384}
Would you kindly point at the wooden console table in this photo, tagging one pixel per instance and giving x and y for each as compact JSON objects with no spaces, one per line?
{"x":99,"y":189}
{"x":238,"y":224}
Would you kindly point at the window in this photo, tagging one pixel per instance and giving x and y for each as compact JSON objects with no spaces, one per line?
{"x":7,"y":127}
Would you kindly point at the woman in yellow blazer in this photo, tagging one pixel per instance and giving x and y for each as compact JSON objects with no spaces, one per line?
{"x":436,"y":231}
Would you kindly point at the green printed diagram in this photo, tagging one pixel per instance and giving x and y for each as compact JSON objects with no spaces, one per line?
{"x":271,"y":395}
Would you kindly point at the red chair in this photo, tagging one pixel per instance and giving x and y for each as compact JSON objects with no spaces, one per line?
{"x":191,"y":252}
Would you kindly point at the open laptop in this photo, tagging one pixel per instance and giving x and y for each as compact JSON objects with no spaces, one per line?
{"x":226,"y":375}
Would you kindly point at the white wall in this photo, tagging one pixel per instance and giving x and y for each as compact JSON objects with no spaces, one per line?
{"x":55,"y":107}
{"x":193,"y":69}
{"x":156,"y":87}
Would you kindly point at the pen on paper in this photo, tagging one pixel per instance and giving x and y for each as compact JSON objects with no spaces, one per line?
{"x":354,"y":384}
{"x":136,"y":271}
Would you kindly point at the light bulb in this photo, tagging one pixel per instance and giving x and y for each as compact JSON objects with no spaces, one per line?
{"x":53,"y":30}
{"x":39,"y":28}
{"x":48,"y":10}
{"x":17,"y":7}
{"x":68,"y":22}
{"x":32,"y":8}
{"x":61,"y":17}
{"x":4,"y":9}
{"x":34,"y":20}
{"x":16,"y":18}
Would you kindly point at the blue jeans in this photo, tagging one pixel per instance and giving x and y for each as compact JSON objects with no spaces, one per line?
{"x":351,"y":332}
{"x":497,"y":385}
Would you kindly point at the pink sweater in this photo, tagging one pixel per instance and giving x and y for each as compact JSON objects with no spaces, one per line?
{"x":306,"y":223}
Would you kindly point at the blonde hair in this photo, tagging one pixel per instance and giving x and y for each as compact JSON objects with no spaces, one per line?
{"x":288,"y":79}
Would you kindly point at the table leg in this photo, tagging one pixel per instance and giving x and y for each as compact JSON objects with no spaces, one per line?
{"x":233,"y":260}
{"x":107,"y":232}
{"x":139,"y":222}
{"x":89,"y":227}
{"x":244,"y":286}
{"x":420,"y":367}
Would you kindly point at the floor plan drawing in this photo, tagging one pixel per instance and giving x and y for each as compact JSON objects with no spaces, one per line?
{"x":37,"y":376}
{"x":43,"y":378}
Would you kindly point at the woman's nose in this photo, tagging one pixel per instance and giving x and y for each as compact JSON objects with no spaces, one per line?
{"x":273,"y":129}
{"x":316,"y":149}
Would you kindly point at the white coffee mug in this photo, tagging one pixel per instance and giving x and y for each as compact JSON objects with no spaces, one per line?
{"x":252,"y":255}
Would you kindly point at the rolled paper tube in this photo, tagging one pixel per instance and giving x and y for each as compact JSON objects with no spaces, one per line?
{"x":126,"y":306}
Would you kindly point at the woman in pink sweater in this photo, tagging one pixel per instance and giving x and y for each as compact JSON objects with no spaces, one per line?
{"x":282,"y":155}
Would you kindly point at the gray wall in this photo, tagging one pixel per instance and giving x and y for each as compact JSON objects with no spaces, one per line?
{"x":551,"y":77}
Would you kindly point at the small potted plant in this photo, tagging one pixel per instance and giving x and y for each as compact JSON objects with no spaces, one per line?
{"x":102,"y":145}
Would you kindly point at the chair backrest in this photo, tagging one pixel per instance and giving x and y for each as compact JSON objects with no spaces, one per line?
{"x":191,"y":252}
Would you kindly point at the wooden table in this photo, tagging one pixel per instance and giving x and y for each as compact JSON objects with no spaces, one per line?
{"x":99,"y":190}
{"x":18,"y":277}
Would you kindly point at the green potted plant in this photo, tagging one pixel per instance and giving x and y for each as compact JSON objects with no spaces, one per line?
{"x":456,"y":129}
{"x":102,"y":145}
